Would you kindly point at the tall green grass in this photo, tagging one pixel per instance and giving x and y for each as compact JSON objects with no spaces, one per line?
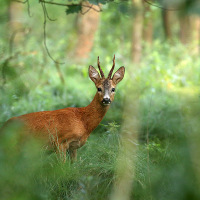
{"x":29,"y":171}
{"x":165,"y":163}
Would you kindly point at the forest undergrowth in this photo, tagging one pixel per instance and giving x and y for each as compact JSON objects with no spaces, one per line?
{"x":165,"y":163}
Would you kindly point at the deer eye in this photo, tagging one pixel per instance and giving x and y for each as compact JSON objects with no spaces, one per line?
{"x":99,"y":89}
{"x":113,"y":89}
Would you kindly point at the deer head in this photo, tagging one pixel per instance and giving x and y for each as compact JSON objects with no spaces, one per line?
{"x":106,"y":86}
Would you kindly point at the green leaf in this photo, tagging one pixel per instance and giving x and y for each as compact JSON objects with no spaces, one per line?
{"x":94,"y":2}
{"x":73,"y":9}
{"x":104,"y":1}
{"x":97,"y":2}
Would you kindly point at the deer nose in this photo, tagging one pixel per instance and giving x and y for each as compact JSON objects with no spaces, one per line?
{"x":106,"y":101}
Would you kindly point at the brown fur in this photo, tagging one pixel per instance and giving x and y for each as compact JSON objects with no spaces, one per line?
{"x":69,"y":128}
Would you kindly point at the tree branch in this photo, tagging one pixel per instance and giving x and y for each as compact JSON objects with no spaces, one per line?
{"x":44,"y":32}
{"x":28,"y":5}
{"x":47,"y":14}
{"x":163,"y":8}
{"x":66,"y":5}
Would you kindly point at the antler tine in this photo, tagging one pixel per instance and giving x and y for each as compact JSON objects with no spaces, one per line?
{"x":101,"y":72}
{"x":113,"y":66}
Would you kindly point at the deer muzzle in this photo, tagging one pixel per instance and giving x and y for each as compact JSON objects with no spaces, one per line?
{"x":106,"y":101}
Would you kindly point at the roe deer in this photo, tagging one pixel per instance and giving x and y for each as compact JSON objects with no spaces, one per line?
{"x":70,"y":127}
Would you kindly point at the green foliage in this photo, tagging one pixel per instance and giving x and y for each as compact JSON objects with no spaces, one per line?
{"x":165,"y":167}
{"x":97,"y":2}
{"x":28,"y":171}
{"x":73,"y":9}
{"x":76,"y":8}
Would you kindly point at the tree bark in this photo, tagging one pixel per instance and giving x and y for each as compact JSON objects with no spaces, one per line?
{"x":197,"y":28}
{"x":16,"y":21}
{"x":189,"y":29}
{"x":197,"y":32}
{"x":148,"y":24}
{"x":185,"y":29}
{"x":137,"y":31}
{"x":166,"y":24}
{"x":87,"y":27}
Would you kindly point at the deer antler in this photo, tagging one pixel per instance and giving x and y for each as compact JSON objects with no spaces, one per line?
{"x":101,"y":72}
{"x":111,"y":71}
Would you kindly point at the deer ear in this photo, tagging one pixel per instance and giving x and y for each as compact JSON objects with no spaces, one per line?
{"x":118,"y":75}
{"x":93,"y":74}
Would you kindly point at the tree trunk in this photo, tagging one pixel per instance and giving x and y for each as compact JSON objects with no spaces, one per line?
{"x":197,"y":28}
{"x":16,"y":21}
{"x":197,"y":32}
{"x":87,"y":27}
{"x":185,"y":29}
{"x":148,"y":24}
{"x":167,"y":24}
{"x":137,"y":31}
{"x":189,"y":29}
{"x":192,"y":33}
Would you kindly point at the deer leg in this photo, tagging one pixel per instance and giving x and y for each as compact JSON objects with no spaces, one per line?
{"x":61,"y":151}
{"x":73,"y":155}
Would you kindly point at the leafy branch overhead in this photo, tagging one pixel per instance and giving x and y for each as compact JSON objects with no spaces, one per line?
{"x":70,"y":9}
{"x":77,"y":7}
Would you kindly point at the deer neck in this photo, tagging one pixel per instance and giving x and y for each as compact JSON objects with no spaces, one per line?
{"x":94,"y":113}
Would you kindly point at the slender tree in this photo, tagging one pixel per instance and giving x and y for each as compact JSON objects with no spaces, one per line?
{"x":185,"y":29}
{"x":137,"y":31}
{"x":15,"y":20}
{"x":166,"y":19}
{"x":88,"y":21}
{"x":148,"y":23}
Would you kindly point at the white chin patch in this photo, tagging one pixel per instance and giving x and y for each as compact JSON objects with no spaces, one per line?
{"x":106,"y":104}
